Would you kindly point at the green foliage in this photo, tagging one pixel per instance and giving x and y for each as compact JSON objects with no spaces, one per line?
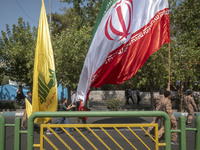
{"x":185,"y":26}
{"x":4,"y":80}
{"x":70,"y":49}
{"x":154,"y":73}
{"x":113,"y":104}
{"x":17,"y":48}
{"x":9,"y":105}
{"x":83,"y":13}
{"x":71,"y":34}
{"x":61,"y":22}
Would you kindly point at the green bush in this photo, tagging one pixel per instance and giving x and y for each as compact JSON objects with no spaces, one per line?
{"x":1,"y":105}
{"x":113,"y":104}
{"x":9,"y":105}
{"x":16,"y":106}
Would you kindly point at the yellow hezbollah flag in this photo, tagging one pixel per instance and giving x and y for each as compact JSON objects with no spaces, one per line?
{"x":44,"y":77}
{"x":28,"y":107}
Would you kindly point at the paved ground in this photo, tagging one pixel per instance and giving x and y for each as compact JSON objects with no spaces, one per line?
{"x":139,"y":132}
{"x":97,"y":106}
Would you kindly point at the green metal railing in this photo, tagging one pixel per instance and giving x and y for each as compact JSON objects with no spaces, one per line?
{"x":182,"y":126}
{"x":167,"y":123}
{"x":17,"y":132}
{"x":182,"y":133}
{"x":197,"y":143}
{"x":2,"y":132}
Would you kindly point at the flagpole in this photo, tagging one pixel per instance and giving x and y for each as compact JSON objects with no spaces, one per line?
{"x":169,"y":65}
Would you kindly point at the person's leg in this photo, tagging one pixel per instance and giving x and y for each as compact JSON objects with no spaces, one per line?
{"x":23,"y":119}
{"x":48,"y":131}
{"x":161,"y":131}
{"x":173,"y":127}
{"x":189,"y":118}
{"x":66,"y":122}
{"x":150,"y":128}
{"x":127,"y":100}
{"x":190,"y":115}
{"x":59,"y":122}
{"x":138,"y":99}
{"x":84,"y":120}
{"x":132,"y":100}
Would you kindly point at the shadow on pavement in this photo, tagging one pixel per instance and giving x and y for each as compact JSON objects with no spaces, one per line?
{"x":119,"y":120}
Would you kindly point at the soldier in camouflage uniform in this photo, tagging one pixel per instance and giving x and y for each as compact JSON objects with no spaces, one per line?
{"x":157,"y":100}
{"x":166,"y":106}
{"x":189,"y":105}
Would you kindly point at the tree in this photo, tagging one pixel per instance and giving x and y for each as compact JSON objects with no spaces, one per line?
{"x":17,"y":51}
{"x":62,"y":21}
{"x":185,"y":26}
{"x":70,"y":49}
{"x":83,"y":13}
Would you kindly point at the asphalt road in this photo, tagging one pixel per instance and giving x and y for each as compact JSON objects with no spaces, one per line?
{"x":139,"y":132}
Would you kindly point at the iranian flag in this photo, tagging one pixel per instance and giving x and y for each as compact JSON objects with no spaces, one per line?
{"x":126,"y":33}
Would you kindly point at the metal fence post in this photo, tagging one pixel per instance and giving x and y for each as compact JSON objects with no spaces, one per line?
{"x":30,"y":135}
{"x":182,"y":134}
{"x":197,"y":142}
{"x":2,"y":132}
{"x":17,"y":137}
{"x":167,"y":132}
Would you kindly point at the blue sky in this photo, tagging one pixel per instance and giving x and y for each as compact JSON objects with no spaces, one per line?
{"x":29,"y":10}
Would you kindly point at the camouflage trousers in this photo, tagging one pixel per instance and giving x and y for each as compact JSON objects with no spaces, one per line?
{"x":190,"y":111}
{"x":155,"y":120}
{"x":24,"y":119}
{"x":173,"y":127}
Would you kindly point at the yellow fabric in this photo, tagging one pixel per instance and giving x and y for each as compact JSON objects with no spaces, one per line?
{"x":44,"y":79}
{"x":28,"y":108}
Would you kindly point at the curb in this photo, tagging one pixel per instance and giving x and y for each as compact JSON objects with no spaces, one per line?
{"x":185,"y":114}
{"x":17,"y":114}
{"x":20,"y":114}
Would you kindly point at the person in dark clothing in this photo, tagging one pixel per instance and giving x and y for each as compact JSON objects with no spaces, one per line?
{"x":29,"y":97}
{"x":129,"y":94}
{"x":138,"y":96}
{"x":20,"y":95}
{"x":64,"y":108}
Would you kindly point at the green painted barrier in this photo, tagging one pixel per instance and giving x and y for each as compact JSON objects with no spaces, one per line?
{"x":182,"y":134}
{"x":2,"y":132}
{"x":197,"y":142}
{"x":167,"y":122}
{"x":17,"y":135}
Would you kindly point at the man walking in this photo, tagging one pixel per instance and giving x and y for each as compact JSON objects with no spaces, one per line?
{"x":64,"y":108}
{"x":190,"y":105}
{"x":129,"y":94}
{"x":158,"y":102}
{"x":166,"y":106}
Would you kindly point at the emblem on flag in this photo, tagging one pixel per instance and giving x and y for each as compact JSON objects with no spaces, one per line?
{"x":120,"y":19}
{"x":43,"y":87}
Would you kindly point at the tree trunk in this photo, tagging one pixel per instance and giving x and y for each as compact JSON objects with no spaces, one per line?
{"x":181,"y":98}
{"x":69,"y":95}
{"x":152,"y":96}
